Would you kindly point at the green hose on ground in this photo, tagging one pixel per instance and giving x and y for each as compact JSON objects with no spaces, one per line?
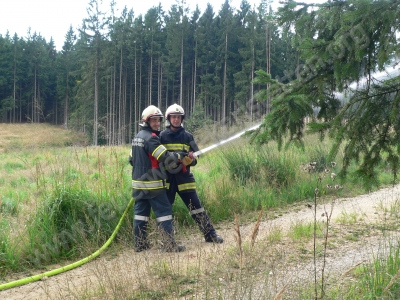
{"x":73,"y":265}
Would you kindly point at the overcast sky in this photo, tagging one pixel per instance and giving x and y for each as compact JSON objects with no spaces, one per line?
{"x":52,"y":18}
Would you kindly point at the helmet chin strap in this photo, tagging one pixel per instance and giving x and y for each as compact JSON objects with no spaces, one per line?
{"x":176,"y":126}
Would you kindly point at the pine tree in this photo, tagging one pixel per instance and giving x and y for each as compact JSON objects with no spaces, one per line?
{"x":153,"y":43}
{"x":249,"y":37}
{"x":6,"y":92}
{"x":66,"y":73}
{"x":192,"y":54}
{"x":92,"y":35}
{"x":206,"y":40}
{"x":340,"y":43}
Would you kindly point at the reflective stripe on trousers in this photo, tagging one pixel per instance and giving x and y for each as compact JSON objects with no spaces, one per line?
{"x":163,"y":219}
{"x":141,"y":218}
{"x":197,"y":211}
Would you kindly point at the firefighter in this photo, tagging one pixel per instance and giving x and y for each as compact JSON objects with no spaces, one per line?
{"x":176,"y":138}
{"x":149,"y":159}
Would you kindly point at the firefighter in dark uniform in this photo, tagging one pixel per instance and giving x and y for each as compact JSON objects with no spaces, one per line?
{"x":150,"y":160}
{"x":176,"y":138}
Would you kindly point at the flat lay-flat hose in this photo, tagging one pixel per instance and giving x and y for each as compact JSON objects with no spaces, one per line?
{"x":73,"y":265}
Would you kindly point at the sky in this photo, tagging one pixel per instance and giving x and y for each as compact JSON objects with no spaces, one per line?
{"x":52,"y":18}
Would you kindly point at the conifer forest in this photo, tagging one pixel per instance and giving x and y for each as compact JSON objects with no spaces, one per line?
{"x":113,"y":66}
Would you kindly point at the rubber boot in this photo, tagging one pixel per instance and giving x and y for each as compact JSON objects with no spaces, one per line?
{"x":204,"y":223}
{"x":169,"y":244}
{"x":141,"y":245}
{"x":214,"y":238}
{"x":140,"y":236}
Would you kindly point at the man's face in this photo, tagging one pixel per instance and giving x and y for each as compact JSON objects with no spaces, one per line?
{"x":175,"y":120}
{"x":154,"y":123}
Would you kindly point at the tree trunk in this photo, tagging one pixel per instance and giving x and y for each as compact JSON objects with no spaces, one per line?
{"x":181,"y":75}
{"x":268,"y":61}
{"x":224,"y":83}
{"x":96,"y":104}
{"x":66,"y":102}
{"x":120,"y":136}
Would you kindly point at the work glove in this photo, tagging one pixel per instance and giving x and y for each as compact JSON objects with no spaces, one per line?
{"x":188,"y":160}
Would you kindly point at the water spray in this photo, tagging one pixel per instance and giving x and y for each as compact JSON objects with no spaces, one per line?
{"x":197,"y":153}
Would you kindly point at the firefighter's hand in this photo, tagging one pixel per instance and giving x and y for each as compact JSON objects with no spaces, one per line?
{"x":191,"y":155}
{"x":187,"y":160}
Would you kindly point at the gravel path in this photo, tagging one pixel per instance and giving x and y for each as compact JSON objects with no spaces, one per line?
{"x":286,"y":273}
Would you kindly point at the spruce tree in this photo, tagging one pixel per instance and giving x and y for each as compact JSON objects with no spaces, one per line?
{"x":341,"y":42}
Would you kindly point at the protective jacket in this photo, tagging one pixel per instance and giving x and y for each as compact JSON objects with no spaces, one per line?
{"x":181,"y":141}
{"x":149,"y":159}
{"x":184,"y":184}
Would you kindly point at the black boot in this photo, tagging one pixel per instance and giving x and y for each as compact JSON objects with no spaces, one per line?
{"x":169,"y":244}
{"x":204,"y":223}
{"x":214,"y":238}
{"x":140,"y":238}
{"x":141,"y":245}
{"x":173,"y":247}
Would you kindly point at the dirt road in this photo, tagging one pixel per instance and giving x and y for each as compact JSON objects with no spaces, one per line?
{"x":283,"y":265}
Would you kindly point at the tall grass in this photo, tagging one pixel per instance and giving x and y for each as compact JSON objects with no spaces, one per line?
{"x":81,"y":202}
{"x":241,"y":178}
{"x":60,"y":201}
{"x":71,"y":197}
{"x":377,"y":279}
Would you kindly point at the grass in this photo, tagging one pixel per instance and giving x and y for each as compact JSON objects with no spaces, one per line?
{"x":60,"y":200}
{"x":348,"y":218}
{"x":304,"y":232}
{"x":378,"y":279}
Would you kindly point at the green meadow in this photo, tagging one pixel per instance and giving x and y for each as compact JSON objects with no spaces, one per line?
{"x":61,"y":199}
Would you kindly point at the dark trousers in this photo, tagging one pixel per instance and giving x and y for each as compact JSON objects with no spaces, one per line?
{"x":162,"y":209}
{"x":196,"y":210}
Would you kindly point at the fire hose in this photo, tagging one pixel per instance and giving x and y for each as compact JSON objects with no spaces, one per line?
{"x":111,"y":238}
{"x":73,"y":265}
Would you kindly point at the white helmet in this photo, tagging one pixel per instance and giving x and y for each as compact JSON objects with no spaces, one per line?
{"x":174,"y":109}
{"x":149,"y":112}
